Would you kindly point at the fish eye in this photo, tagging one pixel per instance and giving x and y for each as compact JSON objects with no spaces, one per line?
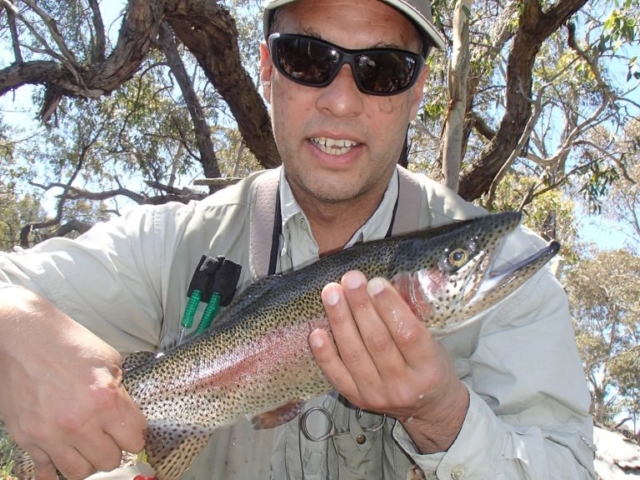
{"x":458,"y":257}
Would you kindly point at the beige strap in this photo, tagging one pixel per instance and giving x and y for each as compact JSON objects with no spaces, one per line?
{"x":261,"y":225}
{"x":409,"y":201}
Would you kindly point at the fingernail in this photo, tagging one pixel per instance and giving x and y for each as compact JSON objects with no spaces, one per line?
{"x":375,"y":286}
{"x":315,"y":340}
{"x":352,"y":280}
{"x":331,"y":296}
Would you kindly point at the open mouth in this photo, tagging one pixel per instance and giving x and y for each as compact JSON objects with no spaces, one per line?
{"x":332,"y":146}
{"x":519,"y":272}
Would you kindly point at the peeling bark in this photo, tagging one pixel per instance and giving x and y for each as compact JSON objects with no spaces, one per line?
{"x":454,"y":130}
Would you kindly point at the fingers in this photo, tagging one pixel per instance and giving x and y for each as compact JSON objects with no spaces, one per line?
{"x":73,"y":413}
{"x":128,"y":432}
{"x":372,"y":335}
{"x":43,"y":468}
{"x":367,"y":354}
{"x":331,"y":364}
{"x":100,"y":451}
{"x":407,"y":331}
{"x":72,"y":464}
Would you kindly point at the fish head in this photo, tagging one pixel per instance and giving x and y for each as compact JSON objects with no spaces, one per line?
{"x":456,"y":280}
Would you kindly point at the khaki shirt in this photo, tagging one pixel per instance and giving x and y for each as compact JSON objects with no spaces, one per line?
{"x":127,"y":281}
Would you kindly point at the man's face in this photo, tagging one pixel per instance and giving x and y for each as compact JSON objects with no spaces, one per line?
{"x":336,"y":142}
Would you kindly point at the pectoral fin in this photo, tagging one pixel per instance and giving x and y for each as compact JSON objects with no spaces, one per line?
{"x":172,"y":447}
{"x":279,"y":416}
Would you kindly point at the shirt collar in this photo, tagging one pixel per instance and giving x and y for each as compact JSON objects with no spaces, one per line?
{"x":298,"y":242}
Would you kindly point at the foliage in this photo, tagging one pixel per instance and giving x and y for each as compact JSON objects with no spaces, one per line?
{"x":117,"y":137}
{"x":623,"y":203}
{"x":604,"y":293}
{"x":577,"y":99}
{"x":551,"y":214}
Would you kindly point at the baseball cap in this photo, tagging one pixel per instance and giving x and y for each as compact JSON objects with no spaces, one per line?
{"x":419,"y":11}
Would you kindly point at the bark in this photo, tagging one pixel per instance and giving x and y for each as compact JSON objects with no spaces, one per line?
{"x":139,"y":27}
{"x":99,"y":47}
{"x":534,"y":27}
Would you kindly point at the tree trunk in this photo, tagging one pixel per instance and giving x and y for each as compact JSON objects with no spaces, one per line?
{"x":454,"y":130}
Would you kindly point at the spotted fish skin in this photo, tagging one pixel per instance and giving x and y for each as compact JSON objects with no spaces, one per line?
{"x":256,"y":361}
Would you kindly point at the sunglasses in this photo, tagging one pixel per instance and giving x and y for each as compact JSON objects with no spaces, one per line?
{"x":315,"y":63}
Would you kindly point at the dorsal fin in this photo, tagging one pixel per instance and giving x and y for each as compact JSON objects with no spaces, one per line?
{"x":136,"y":359}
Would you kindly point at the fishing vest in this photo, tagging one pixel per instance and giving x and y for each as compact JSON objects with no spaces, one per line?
{"x":364,"y":446}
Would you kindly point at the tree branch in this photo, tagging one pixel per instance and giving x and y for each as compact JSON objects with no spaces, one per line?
{"x":534,"y":27}
{"x":524,"y":138}
{"x":139,"y":27}
{"x":11,"y":20}
{"x":202,"y":130}
{"x":73,"y":193}
{"x":481,"y":126}
{"x":68,"y":55}
{"x":70,"y":226}
{"x":209,"y":32}
{"x":99,"y":46}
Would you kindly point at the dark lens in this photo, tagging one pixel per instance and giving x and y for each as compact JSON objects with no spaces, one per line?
{"x":386,"y":71}
{"x":306,"y":60}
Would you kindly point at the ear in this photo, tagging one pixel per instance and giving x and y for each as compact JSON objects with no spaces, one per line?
{"x":417,"y":91}
{"x":266,"y":69}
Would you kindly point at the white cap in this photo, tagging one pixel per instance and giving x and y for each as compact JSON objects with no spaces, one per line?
{"x":418,"y":11}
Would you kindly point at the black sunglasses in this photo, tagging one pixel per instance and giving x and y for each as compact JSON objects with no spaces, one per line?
{"x":315,"y":63}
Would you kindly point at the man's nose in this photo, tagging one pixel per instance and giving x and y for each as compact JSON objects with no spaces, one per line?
{"x":341,"y":97}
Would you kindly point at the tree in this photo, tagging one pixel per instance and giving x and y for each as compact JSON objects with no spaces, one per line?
{"x":536,"y":88}
{"x":173,"y":95}
{"x":623,"y":203}
{"x":604,"y":293}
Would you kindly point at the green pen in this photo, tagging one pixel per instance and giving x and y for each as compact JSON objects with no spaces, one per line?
{"x":221,"y":291}
{"x":202,"y":278}
{"x":189,"y":314}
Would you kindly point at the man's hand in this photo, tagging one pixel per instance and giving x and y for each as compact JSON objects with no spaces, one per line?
{"x":388,"y":362}
{"x":62,"y":398}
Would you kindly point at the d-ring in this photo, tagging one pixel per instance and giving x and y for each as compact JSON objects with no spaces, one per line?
{"x":370,"y":429}
{"x":305,"y":430}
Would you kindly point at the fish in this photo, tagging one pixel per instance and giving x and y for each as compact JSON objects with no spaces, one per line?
{"x":255,"y":361}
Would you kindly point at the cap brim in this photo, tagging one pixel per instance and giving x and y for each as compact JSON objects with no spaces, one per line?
{"x":426,"y":26}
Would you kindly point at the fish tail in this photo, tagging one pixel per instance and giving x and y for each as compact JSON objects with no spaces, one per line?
{"x":171,"y":447}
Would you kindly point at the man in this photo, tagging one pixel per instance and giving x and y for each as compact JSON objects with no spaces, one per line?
{"x":504,"y":399}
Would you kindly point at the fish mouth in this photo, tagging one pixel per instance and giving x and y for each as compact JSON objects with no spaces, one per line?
{"x":514,"y":275}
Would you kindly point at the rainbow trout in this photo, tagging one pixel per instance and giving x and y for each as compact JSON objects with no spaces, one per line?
{"x":256,"y":361}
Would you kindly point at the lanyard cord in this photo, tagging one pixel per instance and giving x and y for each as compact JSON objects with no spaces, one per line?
{"x":275,"y":236}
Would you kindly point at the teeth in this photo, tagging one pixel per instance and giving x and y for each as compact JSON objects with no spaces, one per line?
{"x":333,"y":147}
